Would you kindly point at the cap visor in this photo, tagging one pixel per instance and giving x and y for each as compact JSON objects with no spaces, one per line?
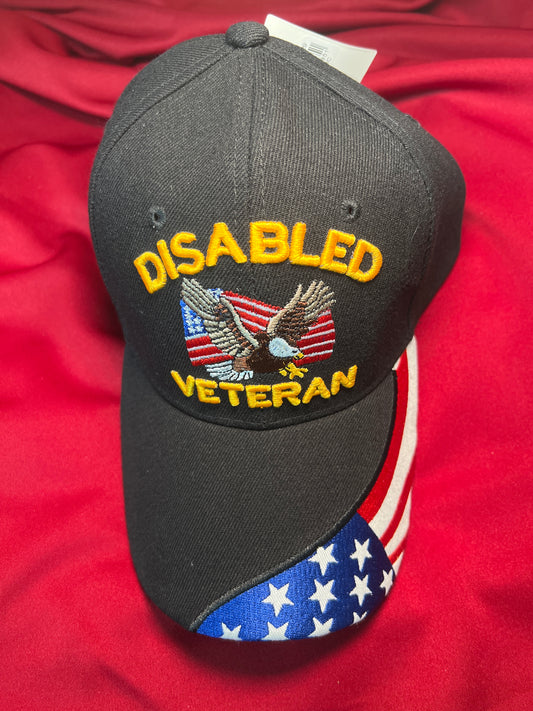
{"x":212,"y":511}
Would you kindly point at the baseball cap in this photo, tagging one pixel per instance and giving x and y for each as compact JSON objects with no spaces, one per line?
{"x":270,"y":232}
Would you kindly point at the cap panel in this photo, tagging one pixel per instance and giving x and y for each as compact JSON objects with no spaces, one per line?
{"x":210,"y":509}
{"x":444,"y":185}
{"x":160,"y":77}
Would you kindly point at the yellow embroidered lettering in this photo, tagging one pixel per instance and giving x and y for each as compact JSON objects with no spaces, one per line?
{"x":286,"y":391}
{"x":338,"y":378}
{"x":220,"y":243}
{"x":269,"y":244}
{"x":256,"y":396}
{"x":233,"y":389}
{"x":317,"y":387}
{"x":167,"y":259}
{"x":297,"y":243}
{"x":187,"y":253}
{"x":333,"y":248}
{"x":205,"y":389}
{"x":259,"y":242}
{"x":361,"y":248}
{"x":152,"y":284}
{"x":187,"y":387}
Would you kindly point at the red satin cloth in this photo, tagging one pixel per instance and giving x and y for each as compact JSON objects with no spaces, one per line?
{"x":76,"y":631}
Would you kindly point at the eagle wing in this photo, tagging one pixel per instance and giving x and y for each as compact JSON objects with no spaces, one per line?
{"x":221,"y":321}
{"x":294,"y":319}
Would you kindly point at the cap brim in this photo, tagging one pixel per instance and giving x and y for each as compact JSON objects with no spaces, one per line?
{"x":215,"y":512}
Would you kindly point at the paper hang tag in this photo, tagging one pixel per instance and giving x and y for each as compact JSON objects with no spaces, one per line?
{"x":350,"y":60}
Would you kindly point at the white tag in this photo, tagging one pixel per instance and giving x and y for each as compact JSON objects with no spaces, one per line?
{"x":350,"y":60}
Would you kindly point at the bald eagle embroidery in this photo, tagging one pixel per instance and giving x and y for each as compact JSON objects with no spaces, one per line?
{"x":216,"y":331}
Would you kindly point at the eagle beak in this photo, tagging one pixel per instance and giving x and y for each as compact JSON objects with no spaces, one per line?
{"x":299,"y":355}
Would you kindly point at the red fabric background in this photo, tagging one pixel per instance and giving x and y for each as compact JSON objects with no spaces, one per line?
{"x":76,"y":631}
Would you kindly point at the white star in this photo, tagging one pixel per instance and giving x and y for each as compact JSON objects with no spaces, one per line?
{"x":387,"y":581}
{"x":323,"y":594}
{"x":324,"y":557}
{"x":278,"y":598}
{"x":321,"y":628}
{"x":361,"y":588}
{"x":361,"y":553}
{"x":358,"y":618}
{"x":275,"y":633}
{"x":230,"y":634}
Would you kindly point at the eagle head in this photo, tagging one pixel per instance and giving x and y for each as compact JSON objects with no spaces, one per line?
{"x":279,"y":348}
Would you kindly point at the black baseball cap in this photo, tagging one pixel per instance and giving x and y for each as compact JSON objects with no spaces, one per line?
{"x":270,"y":232}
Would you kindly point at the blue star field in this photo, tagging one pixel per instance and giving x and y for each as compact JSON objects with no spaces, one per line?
{"x":337,"y":585}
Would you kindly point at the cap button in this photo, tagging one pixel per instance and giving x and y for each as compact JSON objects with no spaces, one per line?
{"x":247,"y":34}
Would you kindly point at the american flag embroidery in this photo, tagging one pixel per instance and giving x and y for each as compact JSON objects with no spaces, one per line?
{"x":235,"y":336}
{"x":342,"y":581}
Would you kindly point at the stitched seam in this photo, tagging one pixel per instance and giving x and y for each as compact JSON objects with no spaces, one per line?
{"x":249,"y":162}
{"x":237,"y":108}
{"x":261,"y":124}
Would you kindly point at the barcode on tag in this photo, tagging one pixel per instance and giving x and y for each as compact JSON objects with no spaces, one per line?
{"x":319,"y":50}
{"x":350,"y":60}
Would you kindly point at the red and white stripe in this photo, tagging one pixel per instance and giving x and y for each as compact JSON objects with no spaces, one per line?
{"x":387,"y":507}
{"x":201,"y":350}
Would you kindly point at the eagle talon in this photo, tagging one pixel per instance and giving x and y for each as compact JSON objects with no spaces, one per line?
{"x":292,"y":371}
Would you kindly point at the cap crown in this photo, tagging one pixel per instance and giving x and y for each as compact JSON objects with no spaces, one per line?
{"x":251,"y":205}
